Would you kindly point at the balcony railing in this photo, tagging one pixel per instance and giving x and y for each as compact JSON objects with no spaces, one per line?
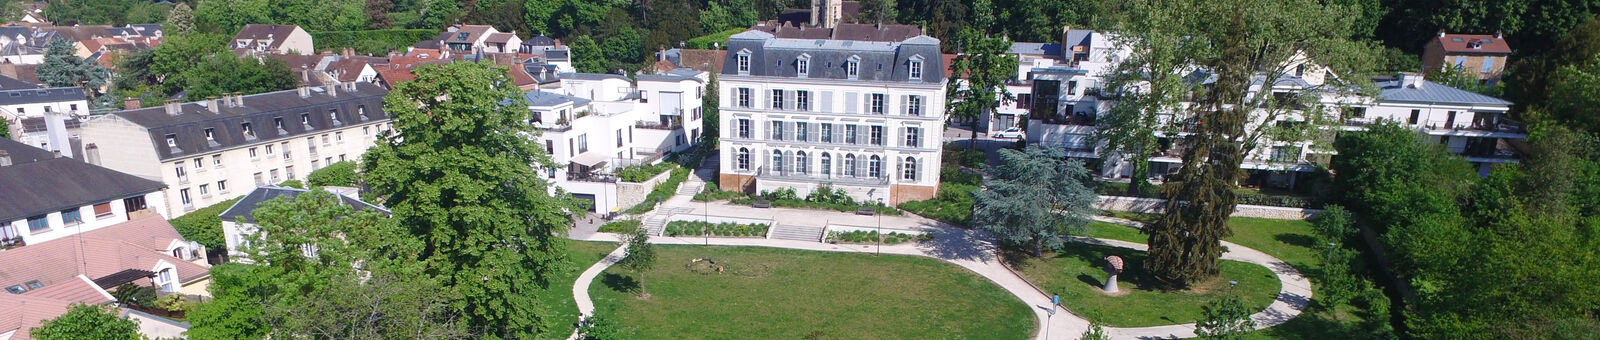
{"x":1503,"y":125}
{"x":591,"y":177}
{"x":655,"y":125}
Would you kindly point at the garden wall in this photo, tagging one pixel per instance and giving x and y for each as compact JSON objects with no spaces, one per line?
{"x":846,"y":229}
{"x":630,"y":194}
{"x":1156,"y":206}
{"x":717,"y":219}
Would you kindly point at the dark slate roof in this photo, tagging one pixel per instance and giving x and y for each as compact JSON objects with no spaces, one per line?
{"x":248,"y":203}
{"x":148,"y":30}
{"x":9,"y":83}
{"x":1035,"y":49}
{"x":540,"y":40}
{"x":561,"y":54}
{"x":1432,"y":92}
{"x":38,"y":95}
{"x":37,"y":124}
{"x":258,"y":110}
{"x":545,"y":98}
{"x":880,"y":61}
{"x":38,"y":183}
{"x":427,"y":45}
{"x":1077,"y":38}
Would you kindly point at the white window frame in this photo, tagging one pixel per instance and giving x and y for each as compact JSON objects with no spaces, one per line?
{"x":852,"y":67}
{"x":915,"y":66}
{"x":743,"y":62}
{"x":802,"y":65}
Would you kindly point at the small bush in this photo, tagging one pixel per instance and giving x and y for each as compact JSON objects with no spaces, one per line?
{"x":713,"y":194}
{"x":872,"y":237}
{"x":662,"y":191}
{"x":641,"y":173}
{"x":952,"y":204}
{"x":337,"y":174}
{"x":725,"y":229}
{"x":293,"y":183}
{"x":952,"y":174}
{"x":620,"y":226}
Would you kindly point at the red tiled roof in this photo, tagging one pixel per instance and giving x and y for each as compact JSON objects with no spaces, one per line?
{"x":347,"y":69}
{"x":1461,"y":43}
{"x":22,"y":313}
{"x":396,"y":76}
{"x":703,"y":60}
{"x":79,"y":290}
{"x":500,"y":37}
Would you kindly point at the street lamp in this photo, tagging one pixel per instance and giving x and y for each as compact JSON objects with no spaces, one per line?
{"x":880,"y":226}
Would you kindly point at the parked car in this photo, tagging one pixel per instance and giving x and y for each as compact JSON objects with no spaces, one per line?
{"x":1011,"y":133}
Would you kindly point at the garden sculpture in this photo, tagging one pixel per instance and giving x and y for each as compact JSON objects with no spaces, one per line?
{"x":1113,"y":267}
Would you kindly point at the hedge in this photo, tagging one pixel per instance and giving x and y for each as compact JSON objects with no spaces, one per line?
{"x":371,"y":42}
{"x":860,"y":236}
{"x":620,"y":226}
{"x":1245,"y":197}
{"x":641,"y":173}
{"x":704,"y":42}
{"x":725,"y":229}
{"x":203,"y":225}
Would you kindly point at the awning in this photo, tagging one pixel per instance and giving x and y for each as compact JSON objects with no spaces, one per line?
{"x":590,"y":159}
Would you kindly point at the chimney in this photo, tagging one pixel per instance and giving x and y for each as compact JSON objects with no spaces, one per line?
{"x":174,"y":107}
{"x":305,"y":91}
{"x":349,"y":52}
{"x":238,"y":99}
{"x":662,"y":55}
{"x":1498,"y":35}
{"x":1411,"y":80}
{"x":1441,"y":33}
{"x":131,"y":103}
{"x":213,"y":104}
{"x":5,"y":158}
{"x":333,"y":90}
{"x":55,"y":125}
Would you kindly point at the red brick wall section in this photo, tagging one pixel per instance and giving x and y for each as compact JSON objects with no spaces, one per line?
{"x":900,"y":193}
{"x":734,"y":182}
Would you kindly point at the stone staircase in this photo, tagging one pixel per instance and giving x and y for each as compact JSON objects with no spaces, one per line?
{"x":691,"y":187}
{"x":655,"y":224}
{"x":796,"y":233}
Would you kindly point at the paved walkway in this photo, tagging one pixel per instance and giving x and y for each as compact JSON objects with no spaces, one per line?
{"x":969,"y":249}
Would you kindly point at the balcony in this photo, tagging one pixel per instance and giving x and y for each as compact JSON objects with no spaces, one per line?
{"x":11,"y":242}
{"x":1502,"y":125}
{"x":666,"y":123}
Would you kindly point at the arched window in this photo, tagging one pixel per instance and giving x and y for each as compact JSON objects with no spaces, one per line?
{"x":827,"y":164}
{"x":744,"y":159}
{"x":909,"y":172}
{"x":777,"y":160}
{"x":850,"y":165}
{"x":801,"y":162}
{"x":875,"y":167}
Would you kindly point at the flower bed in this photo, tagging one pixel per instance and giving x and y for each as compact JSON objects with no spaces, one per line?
{"x":860,"y":236}
{"x":725,"y":229}
{"x":620,"y":226}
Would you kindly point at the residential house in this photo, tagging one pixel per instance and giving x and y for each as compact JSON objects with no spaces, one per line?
{"x":1472,"y":125}
{"x":206,"y":151}
{"x":542,"y":50}
{"x":856,"y":107}
{"x":595,"y":124}
{"x":328,"y":68}
{"x":1479,"y":56}
{"x":24,"y":45}
{"x":43,"y":280}
{"x":33,"y":111}
{"x":239,"y":224}
{"x":472,"y":39}
{"x":49,"y":196}
{"x":258,"y":39}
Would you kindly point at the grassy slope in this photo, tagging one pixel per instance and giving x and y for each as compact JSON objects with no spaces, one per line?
{"x":558,"y":299}
{"x":1075,"y":273}
{"x":790,"y":294}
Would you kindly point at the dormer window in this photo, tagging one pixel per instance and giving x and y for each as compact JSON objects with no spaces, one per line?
{"x":333,"y":116}
{"x":172,"y":140}
{"x":744,"y":62}
{"x":247,"y":132}
{"x":916,"y":68}
{"x":305,"y":118}
{"x":240,"y":44}
{"x":211,"y":135}
{"x":462,"y":36}
{"x":852,"y":67}
{"x":278,"y":121}
{"x":362,"y":111}
{"x":802,"y":65}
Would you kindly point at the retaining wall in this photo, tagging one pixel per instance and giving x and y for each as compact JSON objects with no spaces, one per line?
{"x":630,"y":194}
{"x":1157,"y":206}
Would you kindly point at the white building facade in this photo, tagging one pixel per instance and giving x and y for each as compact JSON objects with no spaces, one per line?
{"x":863,"y":116}
{"x":212,"y":151}
{"x":595,"y":124}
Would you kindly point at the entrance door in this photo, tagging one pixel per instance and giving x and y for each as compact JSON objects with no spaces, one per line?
{"x":587,"y":197}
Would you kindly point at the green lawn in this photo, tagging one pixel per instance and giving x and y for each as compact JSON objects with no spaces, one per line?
{"x":766,"y":293}
{"x":1075,"y":273}
{"x":1288,"y":240}
{"x":563,"y":311}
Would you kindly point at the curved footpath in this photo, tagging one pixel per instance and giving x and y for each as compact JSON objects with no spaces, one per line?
{"x":974,"y":251}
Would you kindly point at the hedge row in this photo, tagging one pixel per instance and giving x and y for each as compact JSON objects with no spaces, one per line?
{"x":371,"y":42}
{"x":725,"y":229}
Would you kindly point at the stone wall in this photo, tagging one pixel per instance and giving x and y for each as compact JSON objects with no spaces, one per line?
{"x":630,"y":194}
{"x":1156,"y":206}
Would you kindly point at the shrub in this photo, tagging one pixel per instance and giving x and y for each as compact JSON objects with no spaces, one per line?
{"x":620,"y":226}
{"x":203,"y":225}
{"x":958,"y":155}
{"x":952,"y":204}
{"x":293,"y":183}
{"x":371,"y":42}
{"x":860,"y":236}
{"x":135,"y":295}
{"x":336,"y":174}
{"x":705,"y":41}
{"x":1253,"y":198}
{"x":952,"y":174}
{"x":641,"y":173}
{"x":713,"y":194}
{"x":725,"y":229}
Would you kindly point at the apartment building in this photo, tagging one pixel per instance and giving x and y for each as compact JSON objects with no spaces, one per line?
{"x":33,"y":112}
{"x":472,"y":39}
{"x":855,"y":107}
{"x":595,"y":124}
{"x":1478,"y":56}
{"x":218,"y":149}
{"x":49,"y":196}
{"x":239,"y":222}
{"x":1472,"y":125}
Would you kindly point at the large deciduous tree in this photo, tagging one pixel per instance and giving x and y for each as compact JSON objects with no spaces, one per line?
{"x":459,"y":171}
{"x":87,"y":322}
{"x":1149,"y":84}
{"x":1287,"y":44}
{"x":587,"y":56}
{"x":180,"y":20}
{"x":224,"y":73}
{"x":978,"y":78}
{"x":1035,"y":199}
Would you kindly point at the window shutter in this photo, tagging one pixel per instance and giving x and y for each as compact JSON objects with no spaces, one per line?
{"x":903,"y":105}
{"x":902,"y":135}
{"x":916,"y":170}
{"x":788,"y":100}
{"x":790,"y":130}
{"x":827,"y":101}
{"x":852,"y":102}
{"x":766,"y":159}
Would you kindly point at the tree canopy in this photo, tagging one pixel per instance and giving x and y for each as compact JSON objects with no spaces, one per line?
{"x":1035,"y":200}
{"x":87,"y":322}
{"x":460,"y":173}
{"x":978,"y":77}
